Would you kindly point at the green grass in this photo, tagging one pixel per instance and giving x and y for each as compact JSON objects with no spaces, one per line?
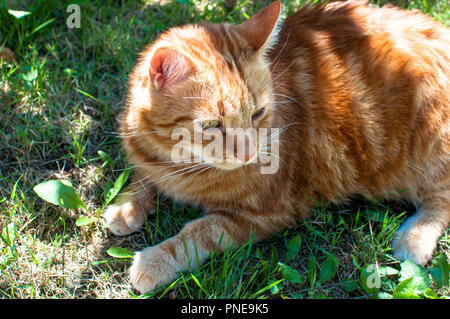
{"x":59,"y":103}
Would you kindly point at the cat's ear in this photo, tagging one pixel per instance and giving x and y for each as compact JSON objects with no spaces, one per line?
{"x":257,"y":30}
{"x":168,"y":67}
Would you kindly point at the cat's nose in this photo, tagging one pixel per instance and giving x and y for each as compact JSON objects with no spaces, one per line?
{"x":248,"y":154}
{"x":246,"y":157}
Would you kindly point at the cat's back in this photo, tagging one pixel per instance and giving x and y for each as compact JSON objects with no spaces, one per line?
{"x":371,"y":85}
{"x":388,"y":46}
{"x":351,"y":27}
{"x":347,"y":20}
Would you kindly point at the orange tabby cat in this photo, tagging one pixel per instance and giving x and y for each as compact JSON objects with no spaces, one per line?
{"x":360,"y":98}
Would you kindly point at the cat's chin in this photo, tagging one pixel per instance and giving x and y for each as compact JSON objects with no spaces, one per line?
{"x":232,"y":166}
{"x":228,"y":166}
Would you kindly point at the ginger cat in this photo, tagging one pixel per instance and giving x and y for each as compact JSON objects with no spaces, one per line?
{"x":360,"y":96}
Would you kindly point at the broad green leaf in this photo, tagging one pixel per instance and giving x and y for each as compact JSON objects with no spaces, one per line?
{"x":410,"y":295}
{"x":387,"y":271}
{"x":443,"y":262}
{"x":406,"y":290}
{"x":293,"y":248}
{"x":66,"y":182}
{"x":85,"y":220}
{"x":384,"y":295}
{"x":430,"y":294}
{"x":120,"y":181}
{"x":19,"y":14}
{"x":370,"y":279}
{"x":440,"y":271}
{"x":119,"y":252}
{"x":421,"y":280}
{"x":58,"y":193}
{"x":276,"y":288}
{"x":290,"y":274}
{"x":108,"y":186}
{"x":349,"y":285}
{"x":437,"y":276}
{"x":328,"y":268}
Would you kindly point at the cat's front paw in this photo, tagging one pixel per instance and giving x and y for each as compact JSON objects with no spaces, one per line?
{"x":415,"y":241}
{"x":124,"y":219}
{"x":151,"y":268}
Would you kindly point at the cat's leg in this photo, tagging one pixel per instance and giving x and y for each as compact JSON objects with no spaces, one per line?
{"x":128,"y":212}
{"x":416,"y":239}
{"x":160,"y":264}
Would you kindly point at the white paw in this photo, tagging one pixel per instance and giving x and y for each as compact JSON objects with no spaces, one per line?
{"x":123,"y":219}
{"x":415,"y":241}
{"x":151,"y":268}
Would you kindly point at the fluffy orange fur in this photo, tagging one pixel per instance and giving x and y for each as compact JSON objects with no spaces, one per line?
{"x":361,"y":95}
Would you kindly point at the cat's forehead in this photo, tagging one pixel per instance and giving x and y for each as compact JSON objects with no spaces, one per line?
{"x":223,"y":99}
{"x":229,"y":92}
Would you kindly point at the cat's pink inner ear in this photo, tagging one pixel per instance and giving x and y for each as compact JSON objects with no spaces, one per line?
{"x":168,"y":67}
{"x":259,"y":27}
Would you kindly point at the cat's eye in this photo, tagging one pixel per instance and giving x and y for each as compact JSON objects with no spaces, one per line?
{"x":258,"y":114}
{"x":209,"y":124}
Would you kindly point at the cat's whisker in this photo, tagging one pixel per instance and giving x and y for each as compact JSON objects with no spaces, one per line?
{"x":265,"y":143}
{"x":134,"y":132}
{"x":175,"y":173}
{"x":113,"y":133}
{"x":287,"y":97}
{"x":156,"y":171}
{"x":268,"y":154}
{"x":287,"y":141}
{"x":208,"y":166}
{"x":137,"y":191}
{"x":127,"y":168}
{"x":281,"y":103}
{"x":193,"y":169}
{"x":281,"y":73}
{"x":144,"y":165}
{"x":279,"y":53}
{"x":266,"y":140}
{"x":270,"y":150}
